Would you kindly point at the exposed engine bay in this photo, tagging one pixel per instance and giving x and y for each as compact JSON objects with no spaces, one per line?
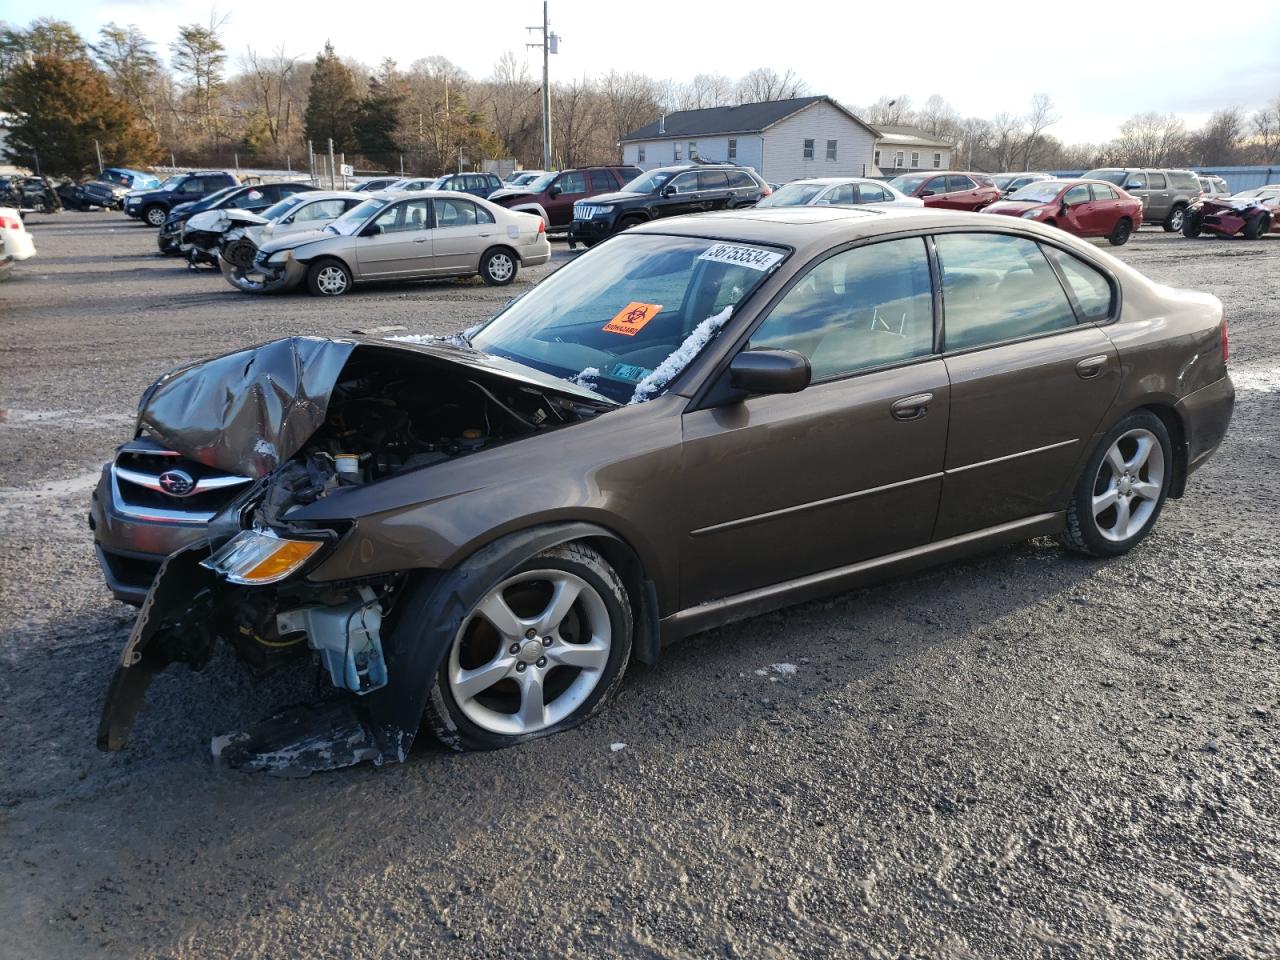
{"x":308,"y":418}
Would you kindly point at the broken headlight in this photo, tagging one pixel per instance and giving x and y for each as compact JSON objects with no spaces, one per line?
{"x":257,"y":557}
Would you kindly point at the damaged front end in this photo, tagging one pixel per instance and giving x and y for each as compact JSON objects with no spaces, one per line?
{"x":265,"y":273}
{"x":223,"y":234}
{"x":307,"y":419}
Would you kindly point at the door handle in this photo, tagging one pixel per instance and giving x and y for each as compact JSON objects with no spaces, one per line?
{"x":1090,"y":367}
{"x":911,"y":408}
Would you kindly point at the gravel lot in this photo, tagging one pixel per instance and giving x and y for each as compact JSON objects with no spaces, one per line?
{"x":1026,"y":755}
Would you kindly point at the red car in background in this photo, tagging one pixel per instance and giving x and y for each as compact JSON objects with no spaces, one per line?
{"x":1250,"y":213}
{"x":949,"y":190}
{"x":1087,"y":208}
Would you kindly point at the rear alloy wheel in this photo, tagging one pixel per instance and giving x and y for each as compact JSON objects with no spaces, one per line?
{"x":1173,"y":222}
{"x":155,"y":216}
{"x":1121,"y":232}
{"x":1255,"y":226}
{"x":328,"y":278}
{"x":1123,"y":488}
{"x":498,"y":267}
{"x":540,"y":652}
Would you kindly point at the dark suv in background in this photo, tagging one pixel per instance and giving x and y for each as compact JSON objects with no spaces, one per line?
{"x":477,"y":184}
{"x":553,"y":195}
{"x":1165,"y":194}
{"x":153,"y":206}
{"x":666,"y":192}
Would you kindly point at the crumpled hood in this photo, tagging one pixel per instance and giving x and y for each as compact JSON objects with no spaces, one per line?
{"x":510,"y":193}
{"x":1015,"y":208}
{"x":1239,"y":204}
{"x":249,"y":411}
{"x":220,"y":221}
{"x":291,"y":241}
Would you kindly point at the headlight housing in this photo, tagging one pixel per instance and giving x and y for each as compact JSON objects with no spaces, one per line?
{"x":257,"y":557}
{"x":1028,"y":214}
{"x":602,"y":210}
{"x":280,"y":256}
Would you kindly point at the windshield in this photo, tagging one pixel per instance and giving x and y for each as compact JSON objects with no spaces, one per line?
{"x":649,"y":182}
{"x":1042,"y":192}
{"x":909,"y":183}
{"x":792,"y":195}
{"x":1003,"y":182}
{"x":213,"y":199}
{"x":539,"y":184}
{"x":1111,"y":176}
{"x":171,"y":183}
{"x":625,"y":319}
{"x":350,"y":222}
{"x":281,"y":207}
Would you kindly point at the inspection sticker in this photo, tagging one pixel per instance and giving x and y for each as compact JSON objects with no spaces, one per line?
{"x":757,"y":258}
{"x":631,"y":319}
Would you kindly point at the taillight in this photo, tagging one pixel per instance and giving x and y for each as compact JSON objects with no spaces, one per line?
{"x":1225,"y":347}
{"x":8,"y":223}
{"x":542,"y":225}
{"x":768,"y":190}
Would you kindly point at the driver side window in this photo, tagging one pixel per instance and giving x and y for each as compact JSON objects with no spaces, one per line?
{"x":1077,"y":194}
{"x":686,"y":183}
{"x":410,"y":215}
{"x":863,"y":308}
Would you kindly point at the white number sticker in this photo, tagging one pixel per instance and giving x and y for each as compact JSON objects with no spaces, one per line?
{"x":757,"y":258}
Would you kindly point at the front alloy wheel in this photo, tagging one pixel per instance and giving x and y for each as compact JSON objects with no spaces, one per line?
{"x":156,"y":216}
{"x":328,"y":278}
{"x":539,"y":652}
{"x":1123,"y":488}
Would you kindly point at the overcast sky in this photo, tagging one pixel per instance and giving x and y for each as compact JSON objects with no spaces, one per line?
{"x":1100,"y":63}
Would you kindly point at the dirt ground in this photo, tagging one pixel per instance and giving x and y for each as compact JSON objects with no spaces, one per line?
{"x":1029,"y":754}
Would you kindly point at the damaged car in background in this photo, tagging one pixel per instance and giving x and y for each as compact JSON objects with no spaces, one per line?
{"x":234,"y":234}
{"x":700,"y":420}
{"x":252,"y":198}
{"x":423,"y":235}
{"x":1250,"y":213}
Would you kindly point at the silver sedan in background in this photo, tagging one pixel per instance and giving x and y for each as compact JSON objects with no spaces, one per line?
{"x":837,"y":192}
{"x":394,"y":236}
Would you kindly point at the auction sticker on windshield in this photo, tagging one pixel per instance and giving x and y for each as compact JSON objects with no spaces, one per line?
{"x":757,"y":258}
{"x":632,"y":318}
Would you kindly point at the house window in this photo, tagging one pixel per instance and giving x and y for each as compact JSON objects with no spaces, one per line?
{"x":915,"y":159}
{"x":831,"y":149}
{"x":877,"y":159}
{"x":677,"y":149}
{"x":897,"y":160}
{"x":640,"y":155}
{"x":733,"y":148}
{"x":808,"y":149}
{"x":937,"y":161}
{"x":693,"y":149}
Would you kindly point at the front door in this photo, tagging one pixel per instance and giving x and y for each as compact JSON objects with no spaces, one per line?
{"x":1029,"y":381}
{"x":777,"y":487}
{"x":684,"y":196}
{"x":1077,"y":213}
{"x":572,"y":187}
{"x":402,"y":243}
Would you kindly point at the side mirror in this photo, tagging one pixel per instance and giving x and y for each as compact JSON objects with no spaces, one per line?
{"x":668,"y":191}
{"x":372,"y":230}
{"x":770,"y":371}
{"x":554,"y":192}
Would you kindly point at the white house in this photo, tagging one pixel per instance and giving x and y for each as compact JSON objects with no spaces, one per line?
{"x":903,"y":149}
{"x":781,"y":139}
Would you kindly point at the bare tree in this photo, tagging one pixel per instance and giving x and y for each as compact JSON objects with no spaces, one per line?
{"x":764,"y":83}
{"x":1265,"y":134}
{"x":938,"y":118}
{"x":273,"y":94}
{"x":1152,"y":140}
{"x":889,"y":111}
{"x":1041,"y":116}
{"x":1007,"y":134}
{"x":630,"y":102}
{"x":575,"y":120}
{"x":510,"y":99}
{"x":199,"y":56}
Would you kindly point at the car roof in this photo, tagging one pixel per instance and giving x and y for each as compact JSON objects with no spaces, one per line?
{"x":825,"y":181}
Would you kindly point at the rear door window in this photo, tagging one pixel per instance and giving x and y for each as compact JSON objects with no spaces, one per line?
{"x":1102,"y":192}
{"x":867,"y":307}
{"x":997,"y":287}
{"x":713,"y":180}
{"x":1156,"y":181}
{"x":455,"y":213}
{"x":739,"y":179}
{"x":602,"y":181}
{"x":956,"y":184}
{"x":871,"y":193}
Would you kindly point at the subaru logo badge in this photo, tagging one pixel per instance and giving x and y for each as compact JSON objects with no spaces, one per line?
{"x":177,"y":483}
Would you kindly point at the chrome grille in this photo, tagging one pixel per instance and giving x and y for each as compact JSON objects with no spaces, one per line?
{"x":139,"y":492}
{"x":585,"y":211}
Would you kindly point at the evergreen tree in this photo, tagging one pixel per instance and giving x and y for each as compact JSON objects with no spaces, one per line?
{"x":332,"y":104}
{"x":377,"y":119}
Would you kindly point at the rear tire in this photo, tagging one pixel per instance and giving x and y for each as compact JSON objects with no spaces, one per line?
{"x":499,"y":266}
{"x":328,"y":278}
{"x":485,"y":696}
{"x":1121,"y":232}
{"x":1122,"y":489}
{"x":1173,"y":222}
{"x":1255,"y":226}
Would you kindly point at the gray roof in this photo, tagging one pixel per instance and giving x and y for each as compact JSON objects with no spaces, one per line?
{"x":890,"y":133}
{"x":744,"y":118}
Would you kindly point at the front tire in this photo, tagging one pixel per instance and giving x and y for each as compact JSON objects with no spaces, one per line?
{"x":1255,"y":226}
{"x":328,"y":278}
{"x":155,"y":216}
{"x":1192,"y":225}
{"x":1122,"y":489}
{"x":498,"y":267}
{"x":1121,"y":232}
{"x":1173,"y":222}
{"x":541,"y":651}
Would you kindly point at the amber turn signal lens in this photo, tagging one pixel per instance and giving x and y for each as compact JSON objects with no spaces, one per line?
{"x":255,"y":557}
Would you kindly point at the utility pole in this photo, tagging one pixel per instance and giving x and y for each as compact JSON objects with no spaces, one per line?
{"x":99,"y":152}
{"x":550,"y":44}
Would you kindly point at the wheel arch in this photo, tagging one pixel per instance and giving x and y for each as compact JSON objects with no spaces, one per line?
{"x":1172,"y":420}
{"x":505,"y":247}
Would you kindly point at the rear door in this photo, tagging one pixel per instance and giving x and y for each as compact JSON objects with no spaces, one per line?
{"x":779,"y":487}
{"x":714,"y":187}
{"x":404,"y":244}
{"x":1159,"y":195}
{"x":962,"y":193}
{"x":463,"y":231}
{"x":1031,"y":375}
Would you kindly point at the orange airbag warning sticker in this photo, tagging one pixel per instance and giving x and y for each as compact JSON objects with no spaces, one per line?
{"x":631,"y":319}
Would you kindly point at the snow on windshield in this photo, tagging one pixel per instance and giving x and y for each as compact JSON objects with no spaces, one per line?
{"x":682,"y":356}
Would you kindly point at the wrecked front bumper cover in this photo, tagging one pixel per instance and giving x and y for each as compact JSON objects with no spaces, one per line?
{"x":264,"y":277}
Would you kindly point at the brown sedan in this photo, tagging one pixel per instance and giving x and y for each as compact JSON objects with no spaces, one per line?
{"x":699,"y":420}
